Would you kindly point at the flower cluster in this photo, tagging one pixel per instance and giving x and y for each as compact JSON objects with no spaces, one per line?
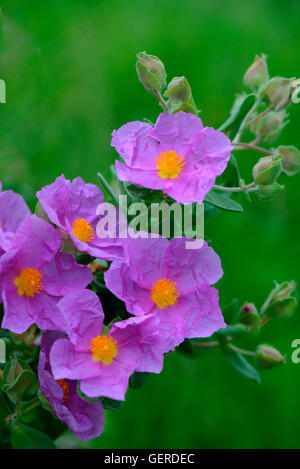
{"x":84,"y":357}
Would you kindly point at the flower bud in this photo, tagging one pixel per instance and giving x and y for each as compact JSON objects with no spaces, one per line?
{"x":269,"y":192}
{"x":278,"y":90}
{"x":176,"y":106}
{"x":290,"y":159}
{"x":267,"y":170}
{"x":151,"y":72}
{"x":269,"y":127}
{"x":269,"y":356}
{"x":40,"y":212}
{"x":178,"y":90}
{"x":257,"y":74}
{"x":280,"y":303}
{"x":248,"y":315}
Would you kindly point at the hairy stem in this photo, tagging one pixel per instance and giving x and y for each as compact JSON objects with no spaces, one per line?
{"x":259,"y":116}
{"x":250,"y":146}
{"x":240,"y":350}
{"x":235,"y":189}
{"x":161,"y":100}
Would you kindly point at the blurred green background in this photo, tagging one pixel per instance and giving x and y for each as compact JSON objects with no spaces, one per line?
{"x":70,"y":75}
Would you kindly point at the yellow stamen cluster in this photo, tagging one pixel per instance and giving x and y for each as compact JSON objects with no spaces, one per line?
{"x":29,"y":282}
{"x":82,"y":230}
{"x":104,"y":349}
{"x":164,"y":293}
{"x":169,"y":164}
{"x":65,"y":387}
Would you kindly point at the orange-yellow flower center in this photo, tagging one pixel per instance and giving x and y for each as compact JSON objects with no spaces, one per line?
{"x":83,"y":230}
{"x":65,"y":387}
{"x":104,"y":349}
{"x":164,"y":293}
{"x":29,"y":282}
{"x":169,"y":164}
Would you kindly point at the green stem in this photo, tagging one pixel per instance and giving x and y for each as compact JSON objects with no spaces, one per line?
{"x":206,"y":344}
{"x":259,"y":116}
{"x":161,"y":100}
{"x":240,"y":350}
{"x":237,"y":137}
{"x":250,"y":146}
{"x":31,"y":408}
{"x":235,"y":189}
{"x":108,"y":189}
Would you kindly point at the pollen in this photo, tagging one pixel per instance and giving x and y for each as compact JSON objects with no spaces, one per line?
{"x":164,"y":293}
{"x":104,"y":349}
{"x":169,"y":164}
{"x":83,"y":230}
{"x":29,"y":282}
{"x":65,"y":387}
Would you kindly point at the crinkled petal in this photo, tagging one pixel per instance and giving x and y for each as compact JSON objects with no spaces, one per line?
{"x":13,"y":210}
{"x":62,"y":275}
{"x":176,"y":128}
{"x":145,"y":178}
{"x":139,"y":343}
{"x":134,"y":144}
{"x":67,"y":362}
{"x":191,"y":267}
{"x":137,"y":299}
{"x":84,"y":316}
{"x":196,"y":314}
{"x":36,"y":241}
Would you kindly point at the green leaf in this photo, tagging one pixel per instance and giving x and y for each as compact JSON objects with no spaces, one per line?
{"x":25,"y":437}
{"x":223,"y":201}
{"x":138,"y":379}
{"x":142,"y":193}
{"x":4,"y":409}
{"x":240,"y":363}
{"x":25,"y":382}
{"x":111,"y":404}
{"x":231,"y":176}
{"x":235,"y":330}
{"x":230,"y":311}
{"x":233,"y":123}
{"x":84,"y":259}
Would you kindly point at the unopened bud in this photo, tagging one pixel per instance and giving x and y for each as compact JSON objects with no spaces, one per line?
{"x":278,"y":90}
{"x":257,"y":74}
{"x":269,"y":356}
{"x":280,"y":302}
{"x":178,"y":90}
{"x":267,"y":170}
{"x":269,"y":127}
{"x":269,"y":192}
{"x":290,"y":159}
{"x":248,"y":315}
{"x":151,"y":72}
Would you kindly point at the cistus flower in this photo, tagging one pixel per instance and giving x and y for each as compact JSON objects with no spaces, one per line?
{"x":13,"y":210}
{"x":178,"y":155}
{"x":34,"y":275}
{"x":103,"y":363}
{"x":163,"y":278}
{"x":84,"y":419}
{"x":72,"y":206}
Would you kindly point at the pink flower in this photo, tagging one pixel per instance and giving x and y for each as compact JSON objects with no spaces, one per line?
{"x":178,"y":155}
{"x":34,"y":275}
{"x":13,"y":210}
{"x":103,"y":363}
{"x":72,"y":206}
{"x":84,"y":419}
{"x":165,"y":279}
